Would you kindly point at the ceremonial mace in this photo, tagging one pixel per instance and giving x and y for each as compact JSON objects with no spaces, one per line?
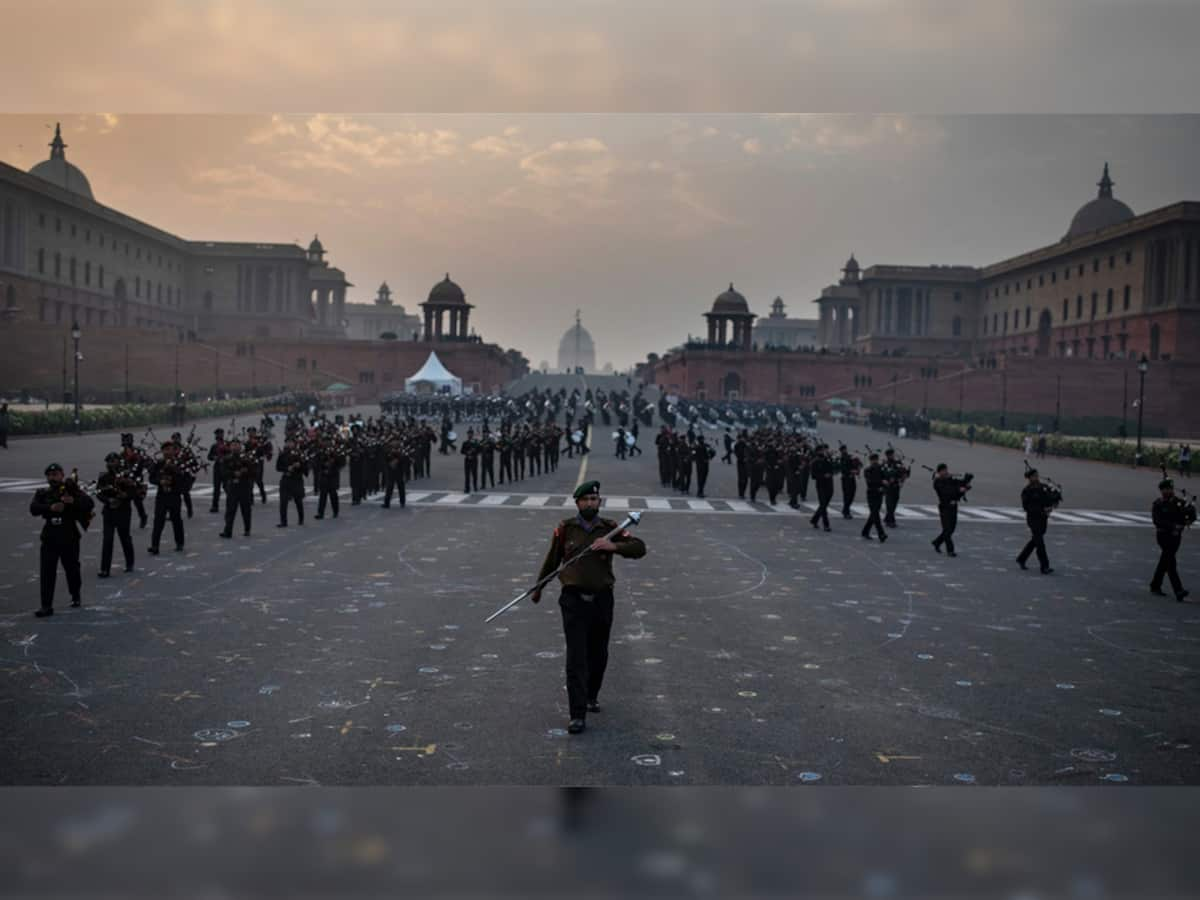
{"x":632,"y":519}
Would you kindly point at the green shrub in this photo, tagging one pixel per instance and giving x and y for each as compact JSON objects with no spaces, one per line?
{"x":1098,"y":448}
{"x":61,"y":421}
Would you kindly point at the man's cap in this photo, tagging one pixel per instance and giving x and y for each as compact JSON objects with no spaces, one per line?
{"x":112,"y":457}
{"x":873,"y":456}
{"x":588,"y":487}
{"x":1166,"y":484}
{"x":1031,"y":473}
{"x":219,"y":431}
{"x":941,"y":467}
{"x":53,"y":467}
{"x":889,"y":451}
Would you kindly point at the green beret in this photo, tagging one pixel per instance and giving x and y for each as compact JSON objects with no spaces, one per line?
{"x":53,"y":467}
{"x":1165,"y":484}
{"x":588,"y":487}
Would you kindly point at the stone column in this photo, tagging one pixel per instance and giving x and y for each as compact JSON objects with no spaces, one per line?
{"x":322,"y":305}
{"x":428,"y":324}
{"x":466,"y":317}
{"x":712,"y":331}
{"x":437,"y":323}
{"x":722,"y":330}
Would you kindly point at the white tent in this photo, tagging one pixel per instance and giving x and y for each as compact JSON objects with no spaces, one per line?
{"x":433,"y":376}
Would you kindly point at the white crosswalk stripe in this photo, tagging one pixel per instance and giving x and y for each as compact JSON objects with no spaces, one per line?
{"x":982,"y":515}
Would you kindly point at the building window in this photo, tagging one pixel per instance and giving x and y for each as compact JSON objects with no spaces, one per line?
{"x":366,"y":377}
{"x":87,"y":235}
{"x":1006,"y":321}
{"x":1095,"y":300}
{"x":1091,"y":342}
{"x":1029,"y":284}
{"x":1128,"y":261}
{"x":956,"y":327}
{"x":101,"y":276}
{"x":1096,"y":264}
{"x":72,"y":270}
{"x":958,"y":296}
{"x":127,"y":248}
{"x":995,"y":322}
{"x":208,"y":300}
{"x":1066,"y":309}
{"x":137,"y":287}
{"x":72,"y":229}
{"x":1079,"y":306}
{"x":1121,"y":339}
{"x":1054,"y":277}
{"x":57,"y":225}
{"x":57,"y":265}
{"x":1125,"y":301}
{"x":302,"y":363}
{"x":1006,"y":290}
{"x":1081,"y":268}
{"x":1041,"y":281}
{"x":985,"y":331}
{"x":87,"y":273}
{"x":1112,"y":264}
{"x":1028,"y":316}
{"x":1107,"y":341}
{"x":1108,"y":300}
{"x":41,"y":261}
{"x":1067,"y":274}
{"x":160,"y":293}
{"x":138,"y":254}
{"x":41,"y":220}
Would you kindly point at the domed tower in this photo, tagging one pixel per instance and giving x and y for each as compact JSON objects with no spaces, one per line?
{"x":446,"y":299}
{"x":777,"y":309}
{"x":577,"y":348}
{"x":316,"y":252}
{"x":851,"y":273}
{"x":384,"y":297}
{"x":1101,"y":212}
{"x":58,"y":171}
{"x":730,"y":309}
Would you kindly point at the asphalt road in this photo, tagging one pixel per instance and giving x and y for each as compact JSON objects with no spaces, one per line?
{"x":748,"y":648}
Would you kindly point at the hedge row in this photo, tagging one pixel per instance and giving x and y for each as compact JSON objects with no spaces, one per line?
{"x":1100,"y":449}
{"x":61,"y":421}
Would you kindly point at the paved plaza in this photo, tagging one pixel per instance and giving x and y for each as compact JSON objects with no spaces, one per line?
{"x":748,"y":648}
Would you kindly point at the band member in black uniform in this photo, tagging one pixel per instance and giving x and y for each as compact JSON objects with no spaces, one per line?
{"x":238,"y":469}
{"x":215,"y":454}
{"x":505,"y":446}
{"x":396,"y":461}
{"x":703,"y":453}
{"x":115,"y":490}
{"x":897,"y":472}
{"x":876,"y":480}
{"x":728,"y":457}
{"x":329,"y":479}
{"x":822,"y":468}
{"x":356,"y":462}
{"x":1171,"y":516}
{"x":487,"y":459}
{"x":683,"y":466}
{"x":135,"y":461}
{"x":470,"y":455}
{"x":950,"y":491}
{"x":1037,"y":500}
{"x":587,"y":597}
{"x":850,"y":466}
{"x":756,"y":461}
{"x":169,"y":479}
{"x":64,"y":506}
{"x":292,"y":468}
{"x":259,"y":450}
{"x":189,"y":464}
{"x":774,"y":474}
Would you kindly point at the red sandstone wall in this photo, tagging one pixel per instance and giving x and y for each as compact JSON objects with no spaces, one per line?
{"x":32,"y":355}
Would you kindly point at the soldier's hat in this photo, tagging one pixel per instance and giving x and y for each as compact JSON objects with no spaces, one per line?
{"x":126,"y":439}
{"x":873,"y":456}
{"x":889,"y":451}
{"x":1166,"y":485}
{"x":941,"y":467}
{"x":1031,"y":473}
{"x":220,"y":432}
{"x":587,"y":489}
{"x":112,"y":457}
{"x":53,"y":467}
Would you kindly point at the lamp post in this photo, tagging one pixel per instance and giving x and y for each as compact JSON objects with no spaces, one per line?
{"x":1143,"y":367}
{"x":75,"y":335}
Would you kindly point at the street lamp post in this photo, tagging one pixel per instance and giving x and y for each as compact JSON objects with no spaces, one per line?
{"x":1143,"y":367}
{"x":75,"y":335}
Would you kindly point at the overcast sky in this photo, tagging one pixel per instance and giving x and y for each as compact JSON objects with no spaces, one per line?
{"x":579,"y":200}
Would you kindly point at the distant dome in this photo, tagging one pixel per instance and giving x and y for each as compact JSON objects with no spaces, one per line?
{"x":446,"y":291}
{"x":1102,"y":212}
{"x":316,"y":246}
{"x":730,"y":302}
{"x":576,"y":349}
{"x":58,"y":171}
{"x":851,"y":264}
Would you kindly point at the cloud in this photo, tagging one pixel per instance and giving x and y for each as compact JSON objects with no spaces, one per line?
{"x":838,"y":135}
{"x":500,"y":146}
{"x":233,"y":186}
{"x":752,"y":146}
{"x":580,"y":162}
{"x":344,"y":144}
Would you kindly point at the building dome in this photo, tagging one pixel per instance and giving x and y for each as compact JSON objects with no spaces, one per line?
{"x":446,"y":291}
{"x":1102,"y":212}
{"x":730,"y":302}
{"x":576,"y":349}
{"x":851,"y":264}
{"x":316,"y":246}
{"x":58,"y":171}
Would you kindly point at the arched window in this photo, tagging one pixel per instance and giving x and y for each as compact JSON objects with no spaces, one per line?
{"x":1028,"y":316}
{"x":1125,"y":302}
{"x":101,"y":276}
{"x":956,"y":327}
{"x":1108,"y":301}
{"x":57,"y":264}
{"x":1066,"y":309}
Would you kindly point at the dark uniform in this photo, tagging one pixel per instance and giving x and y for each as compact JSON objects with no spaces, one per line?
{"x":64,"y":507}
{"x":395,"y":464}
{"x":170,"y":481}
{"x":822,"y":475}
{"x":949,"y":491}
{"x":1037,"y":500}
{"x":1171,"y":515}
{"x":292,"y":469}
{"x":216,"y":453}
{"x":587,"y":598}
{"x":470,"y":454}
{"x":876,"y":479}
{"x":238,"y":471}
{"x":116,"y":493}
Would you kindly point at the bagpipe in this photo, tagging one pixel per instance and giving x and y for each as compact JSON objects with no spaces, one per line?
{"x":902,"y":462}
{"x":963,"y":480}
{"x":79,"y":492}
{"x":847,"y":463}
{"x":1186,"y":500}
{"x":1051,"y":488}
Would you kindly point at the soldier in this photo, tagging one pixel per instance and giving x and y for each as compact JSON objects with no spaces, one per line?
{"x":822,"y":468}
{"x":876,"y":485}
{"x":135,"y":462}
{"x":1037,"y":501}
{"x":116,"y":493}
{"x":292,"y":469}
{"x":329,"y":480}
{"x":215,"y":454}
{"x":896,"y":473}
{"x":357,"y":465}
{"x":949,"y":491}
{"x":169,"y":479}
{"x":757,"y":462}
{"x":1185,"y":460}
{"x":505,"y":446}
{"x":703,"y":454}
{"x":470,"y":455}
{"x":487,"y":460}
{"x":259,"y":450}
{"x":728,"y":457}
{"x":396,"y":461}
{"x":190,"y":465}
{"x":849,"y":466}
{"x":63,"y":506}
{"x":619,"y":440}
{"x":1171,"y":515}
{"x":587,"y":596}
{"x":238,"y":470}
{"x":741,"y":454}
